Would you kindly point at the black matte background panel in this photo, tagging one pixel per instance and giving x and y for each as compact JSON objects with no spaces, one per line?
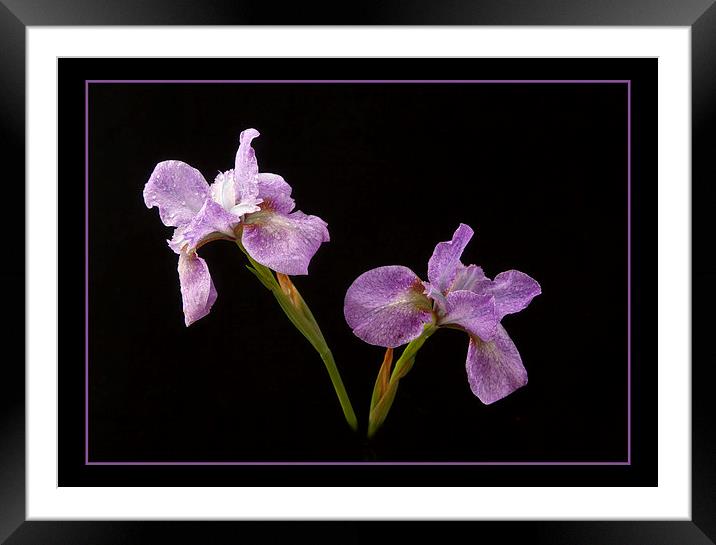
{"x":538,"y":170}
{"x":392,"y":168}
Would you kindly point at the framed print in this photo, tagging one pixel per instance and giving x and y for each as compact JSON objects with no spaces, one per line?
{"x":426,"y":273}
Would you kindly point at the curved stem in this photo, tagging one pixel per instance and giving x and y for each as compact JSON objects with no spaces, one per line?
{"x":297,"y":311}
{"x":329,"y":362}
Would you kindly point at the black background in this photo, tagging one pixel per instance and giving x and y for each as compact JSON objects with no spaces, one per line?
{"x":538,"y":170}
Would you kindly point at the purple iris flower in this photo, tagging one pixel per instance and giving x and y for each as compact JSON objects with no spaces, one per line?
{"x":390,"y":306}
{"x":253,"y":208}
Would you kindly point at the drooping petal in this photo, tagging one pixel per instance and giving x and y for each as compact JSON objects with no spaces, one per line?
{"x":386,"y":306}
{"x":513,"y":291}
{"x":470,"y":278}
{"x":494,"y":368}
{"x":197,"y":289}
{"x":211,"y":220}
{"x":275,"y":192}
{"x":444,"y":263}
{"x":284,"y":243}
{"x":178,"y":190}
{"x":473,"y":312}
{"x":246,"y":168}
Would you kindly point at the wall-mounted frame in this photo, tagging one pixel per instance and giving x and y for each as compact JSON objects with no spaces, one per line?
{"x":702,"y":21}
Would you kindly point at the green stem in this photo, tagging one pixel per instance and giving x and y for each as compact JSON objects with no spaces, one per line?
{"x":330,"y":363}
{"x":407,"y":358}
{"x":302,"y":319}
{"x":380,"y":405}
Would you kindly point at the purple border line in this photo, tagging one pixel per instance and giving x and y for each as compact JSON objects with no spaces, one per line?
{"x":629,"y":271}
{"x":400,"y":81}
{"x":87,"y":273}
{"x":357,"y":463}
{"x":353,"y":463}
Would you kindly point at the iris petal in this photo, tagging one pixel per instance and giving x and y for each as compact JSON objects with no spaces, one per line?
{"x":513,"y":291}
{"x":494,"y":368}
{"x":178,"y":190}
{"x":386,"y":306}
{"x":472,"y":312}
{"x":284,"y":243}
{"x":197,"y":288}
{"x":469,"y":278}
{"x":211,"y":220}
{"x":222,"y":190}
{"x":438,"y":298}
{"x":275,"y":191}
{"x":246,"y":168}
{"x":445,"y":261}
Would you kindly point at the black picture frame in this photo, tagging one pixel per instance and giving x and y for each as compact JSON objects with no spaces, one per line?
{"x":700,"y":16}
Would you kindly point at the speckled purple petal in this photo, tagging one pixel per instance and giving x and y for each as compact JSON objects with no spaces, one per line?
{"x":211,"y":220}
{"x":472,"y":312}
{"x":470,"y":278}
{"x":494,"y":368}
{"x":275,"y":192}
{"x":386,"y":306}
{"x":178,"y":190}
{"x":246,"y":168}
{"x":197,"y":289}
{"x":284,"y":243}
{"x":513,"y":291}
{"x":444,"y":263}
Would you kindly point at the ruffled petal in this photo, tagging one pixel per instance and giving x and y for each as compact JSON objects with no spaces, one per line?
{"x":386,"y":306}
{"x":494,"y":368}
{"x":197,"y":289}
{"x":245,"y":208}
{"x":513,"y":291}
{"x":246,"y":168}
{"x":178,"y":190}
{"x":444,"y":263}
{"x":223,"y":191}
{"x":275,"y":193}
{"x":283,"y":243}
{"x":212,"y":221}
{"x":472,"y":312}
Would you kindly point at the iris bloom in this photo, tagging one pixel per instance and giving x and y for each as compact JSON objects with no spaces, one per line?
{"x":390,"y":306}
{"x":253,"y":208}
